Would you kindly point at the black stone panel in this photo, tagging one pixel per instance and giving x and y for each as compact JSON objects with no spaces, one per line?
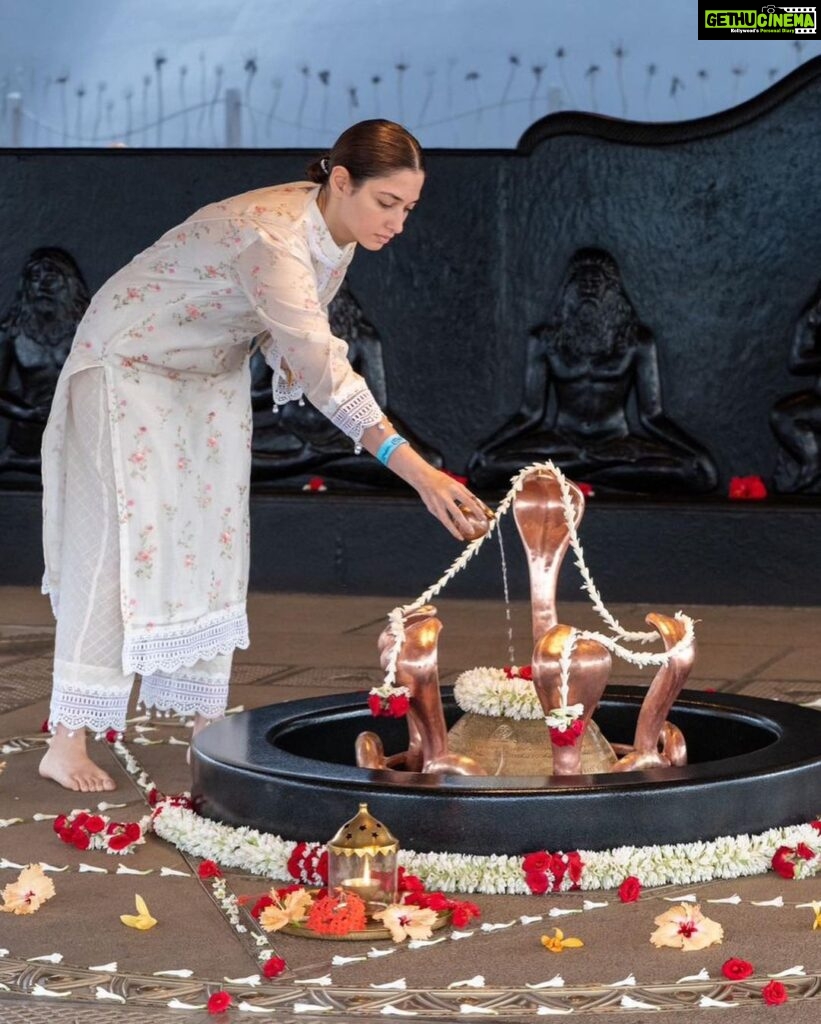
{"x":667,"y":555}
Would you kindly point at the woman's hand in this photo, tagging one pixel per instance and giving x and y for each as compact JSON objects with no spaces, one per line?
{"x":459,"y":511}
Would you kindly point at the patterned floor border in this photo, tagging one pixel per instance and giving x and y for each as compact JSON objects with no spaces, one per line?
{"x":302,"y":999}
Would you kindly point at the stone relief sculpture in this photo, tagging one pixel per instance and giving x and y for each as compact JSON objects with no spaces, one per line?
{"x":298,"y":440}
{"x":796,"y":419}
{"x":35,"y":337}
{"x":586,"y":369}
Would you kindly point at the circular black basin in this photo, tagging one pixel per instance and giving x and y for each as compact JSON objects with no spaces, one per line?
{"x":290,"y":769}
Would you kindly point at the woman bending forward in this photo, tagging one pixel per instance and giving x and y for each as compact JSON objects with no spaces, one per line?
{"x":146,"y":456}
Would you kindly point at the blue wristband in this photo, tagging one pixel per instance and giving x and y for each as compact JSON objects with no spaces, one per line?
{"x":388,"y":447}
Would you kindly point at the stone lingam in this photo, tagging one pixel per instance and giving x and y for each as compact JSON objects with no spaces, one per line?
{"x":546,"y":756}
{"x":553,"y":732}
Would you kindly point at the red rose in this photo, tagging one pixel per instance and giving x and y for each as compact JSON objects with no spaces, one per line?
{"x":804,"y":852}
{"x":539,"y":861}
{"x":260,"y":905}
{"x":747,"y":488}
{"x":219,"y":1002}
{"x":410,"y":883}
{"x":816,"y":825}
{"x":756,"y":489}
{"x":537,"y":881}
{"x":431,"y":901}
{"x":286,"y":889}
{"x":781,"y":862}
{"x":59,"y":823}
{"x":586,"y":489}
{"x":774,"y":993}
{"x":80,"y":819}
{"x":273,"y":967}
{"x":375,"y":704}
{"x":80,"y":838}
{"x":133,"y":831}
{"x":94,"y":824}
{"x":737,"y":970}
{"x":630,"y":889}
{"x":398,"y":705}
{"x":209,"y":869}
{"x":112,"y":735}
{"x":567,"y":737}
{"x":153,"y":796}
{"x":575,"y":867}
{"x":464,"y":912}
{"x":526,"y":672}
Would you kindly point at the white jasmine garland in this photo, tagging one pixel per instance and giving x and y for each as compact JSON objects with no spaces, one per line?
{"x":264,"y":854}
{"x":489,"y":691}
{"x":396,"y":618}
{"x":562,"y":718}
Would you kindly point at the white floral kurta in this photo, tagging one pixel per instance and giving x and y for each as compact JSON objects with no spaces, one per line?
{"x":171,"y":332}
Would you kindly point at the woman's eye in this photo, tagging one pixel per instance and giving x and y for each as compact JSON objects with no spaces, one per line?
{"x":385,"y":206}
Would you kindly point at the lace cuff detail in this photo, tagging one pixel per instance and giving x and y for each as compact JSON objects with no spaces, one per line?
{"x":205,"y":694}
{"x":356,"y":414}
{"x":97,"y":708}
{"x":168,"y":648}
{"x":283,"y":387}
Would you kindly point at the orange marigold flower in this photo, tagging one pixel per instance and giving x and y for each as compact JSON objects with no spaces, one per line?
{"x":337,"y":915}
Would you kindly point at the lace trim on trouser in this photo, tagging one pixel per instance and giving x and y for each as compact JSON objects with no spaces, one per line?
{"x":89,"y":697}
{"x":188,"y":692}
{"x":356,"y":414}
{"x":168,"y":648}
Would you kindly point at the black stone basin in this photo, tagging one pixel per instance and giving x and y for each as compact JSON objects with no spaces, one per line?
{"x":290,"y":769}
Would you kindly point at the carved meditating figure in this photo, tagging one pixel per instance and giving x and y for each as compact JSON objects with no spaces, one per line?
{"x":796,"y":419}
{"x":35,"y":338}
{"x":598,"y":360}
{"x":297,"y":439}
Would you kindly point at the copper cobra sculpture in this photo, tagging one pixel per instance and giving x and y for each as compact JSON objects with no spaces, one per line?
{"x":540,"y":520}
{"x":539,"y":512}
{"x":589,"y":671}
{"x":417,"y":669}
{"x":658,"y":742}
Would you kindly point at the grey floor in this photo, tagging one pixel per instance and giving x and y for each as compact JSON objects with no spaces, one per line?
{"x":308,"y":645}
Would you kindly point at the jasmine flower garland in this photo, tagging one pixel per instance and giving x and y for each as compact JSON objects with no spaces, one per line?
{"x":264,"y":854}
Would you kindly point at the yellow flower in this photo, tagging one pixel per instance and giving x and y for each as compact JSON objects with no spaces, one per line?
{"x":557,"y":942}
{"x":685,"y":927}
{"x":290,"y":910}
{"x":29,"y":892}
{"x":407,"y":921}
{"x":816,"y":909}
{"x":142,"y":920}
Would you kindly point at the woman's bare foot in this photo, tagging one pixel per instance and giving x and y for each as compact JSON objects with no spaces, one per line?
{"x":67,"y":762}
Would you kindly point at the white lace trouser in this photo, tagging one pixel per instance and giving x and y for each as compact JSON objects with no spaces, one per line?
{"x":90,"y":689}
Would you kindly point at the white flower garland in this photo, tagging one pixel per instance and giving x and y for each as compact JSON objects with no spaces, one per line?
{"x":489,"y":691}
{"x":264,"y":854}
{"x":396,"y":617}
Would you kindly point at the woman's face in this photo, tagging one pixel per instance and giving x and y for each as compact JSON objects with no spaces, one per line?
{"x":375,"y":212}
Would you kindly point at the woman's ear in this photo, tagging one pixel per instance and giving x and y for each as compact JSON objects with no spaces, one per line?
{"x":340,"y":181}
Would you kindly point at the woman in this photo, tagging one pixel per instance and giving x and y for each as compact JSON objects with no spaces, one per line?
{"x":147,"y":451}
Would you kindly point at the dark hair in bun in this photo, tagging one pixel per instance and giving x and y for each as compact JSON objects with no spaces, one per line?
{"x":370,"y":149}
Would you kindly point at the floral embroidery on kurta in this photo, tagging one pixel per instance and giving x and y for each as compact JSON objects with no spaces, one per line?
{"x":172,"y":331}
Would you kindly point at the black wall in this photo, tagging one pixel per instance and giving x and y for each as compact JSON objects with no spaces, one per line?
{"x":715,"y":225}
